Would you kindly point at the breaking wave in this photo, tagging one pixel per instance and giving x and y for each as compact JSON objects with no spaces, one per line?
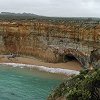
{"x":43,"y":68}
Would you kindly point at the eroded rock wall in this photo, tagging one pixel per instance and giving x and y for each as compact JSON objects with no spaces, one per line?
{"x":45,"y":39}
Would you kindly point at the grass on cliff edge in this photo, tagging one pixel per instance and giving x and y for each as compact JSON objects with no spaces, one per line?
{"x":85,"y":86}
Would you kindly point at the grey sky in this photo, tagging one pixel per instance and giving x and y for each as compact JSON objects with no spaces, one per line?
{"x":64,"y":8}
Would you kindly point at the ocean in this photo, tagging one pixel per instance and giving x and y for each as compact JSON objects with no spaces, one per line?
{"x":23,"y":83}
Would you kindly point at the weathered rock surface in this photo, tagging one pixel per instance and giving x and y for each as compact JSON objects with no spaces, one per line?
{"x":95,"y":58}
{"x":50,"y":41}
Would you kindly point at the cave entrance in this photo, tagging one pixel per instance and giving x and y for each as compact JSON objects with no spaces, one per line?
{"x":69,"y":57}
{"x":71,"y":61}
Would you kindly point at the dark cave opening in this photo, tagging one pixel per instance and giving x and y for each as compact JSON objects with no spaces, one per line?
{"x":69,"y":57}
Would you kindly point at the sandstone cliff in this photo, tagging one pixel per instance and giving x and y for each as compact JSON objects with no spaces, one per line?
{"x":50,"y":40}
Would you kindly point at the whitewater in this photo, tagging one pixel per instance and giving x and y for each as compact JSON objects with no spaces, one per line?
{"x":43,"y":68}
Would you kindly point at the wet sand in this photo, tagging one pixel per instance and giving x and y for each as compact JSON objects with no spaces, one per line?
{"x":72,"y":65}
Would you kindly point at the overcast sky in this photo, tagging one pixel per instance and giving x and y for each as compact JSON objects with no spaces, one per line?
{"x":64,"y":8}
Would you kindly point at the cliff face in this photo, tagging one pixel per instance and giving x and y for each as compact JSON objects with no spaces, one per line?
{"x":49,"y":40}
{"x":1,"y":45}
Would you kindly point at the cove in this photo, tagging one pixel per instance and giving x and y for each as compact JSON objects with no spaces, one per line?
{"x":26,"y":84}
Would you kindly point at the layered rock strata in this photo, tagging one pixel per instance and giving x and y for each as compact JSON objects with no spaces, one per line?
{"x":50,"y":41}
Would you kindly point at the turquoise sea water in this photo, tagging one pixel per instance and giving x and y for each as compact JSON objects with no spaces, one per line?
{"x":26,"y":84}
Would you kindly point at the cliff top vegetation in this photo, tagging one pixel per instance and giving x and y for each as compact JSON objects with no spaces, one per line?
{"x":85,"y":86}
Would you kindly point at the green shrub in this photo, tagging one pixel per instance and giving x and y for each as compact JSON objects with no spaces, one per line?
{"x":81,"y":87}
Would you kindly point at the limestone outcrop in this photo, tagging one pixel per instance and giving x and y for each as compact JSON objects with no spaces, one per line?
{"x":95,"y":58}
{"x":50,"y":41}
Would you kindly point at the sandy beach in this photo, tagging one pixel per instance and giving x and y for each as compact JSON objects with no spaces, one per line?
{"x":72,"y":65}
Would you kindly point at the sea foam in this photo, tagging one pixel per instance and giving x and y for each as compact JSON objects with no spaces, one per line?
{"x":43,"y":68}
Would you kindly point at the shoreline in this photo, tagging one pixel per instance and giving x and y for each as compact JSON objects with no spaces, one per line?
{"x":66,"y":68}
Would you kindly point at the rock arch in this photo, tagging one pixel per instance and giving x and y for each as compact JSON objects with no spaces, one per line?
{"x":73,"y":54}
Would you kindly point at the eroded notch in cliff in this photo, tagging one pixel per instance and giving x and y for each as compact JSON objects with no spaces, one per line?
{"x":69,"y":57}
